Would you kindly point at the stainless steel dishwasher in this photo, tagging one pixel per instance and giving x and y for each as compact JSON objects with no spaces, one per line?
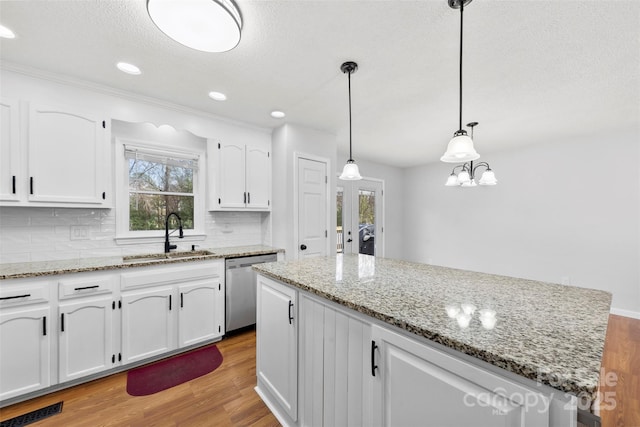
{"x":241,"y":290}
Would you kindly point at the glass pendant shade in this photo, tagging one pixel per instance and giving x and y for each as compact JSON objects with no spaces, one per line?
{"x":470,"y":183}
{"x":488,"y":178}
{"x":452,"y":181}
{"x":204,"y":25}
{"x":463,"y":177}
{"x":460,"y":150}
{"x":350,"y":172}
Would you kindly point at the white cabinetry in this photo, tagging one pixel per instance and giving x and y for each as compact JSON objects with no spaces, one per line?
{"x":86,"y":325}
{"x":277,"y":346}
{"x":334,"y":376}
{"x":9,"y":149}
{"x":241,"y":176}
{"x":66,"y":153}
{"x":52,"y":156}
{"x":25,"y":339}
{"x":168,"y":307}
{"x":417,"y":384}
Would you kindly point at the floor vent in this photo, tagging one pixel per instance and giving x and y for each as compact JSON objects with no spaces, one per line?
{"x":33,"y":416}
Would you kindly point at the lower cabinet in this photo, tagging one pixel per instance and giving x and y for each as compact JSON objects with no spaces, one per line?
{"x":277,"y":346}
{"x":25,"y":342}
{"x":353,"y":370}
{"x":148,"y":319}
{"x":85,"y":337}
{"x":168,"y":307}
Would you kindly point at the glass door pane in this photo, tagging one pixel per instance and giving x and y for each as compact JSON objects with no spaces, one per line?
{"x":366,"y":221}
{"x":339,"y":222}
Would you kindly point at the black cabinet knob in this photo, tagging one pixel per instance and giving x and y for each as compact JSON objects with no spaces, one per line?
{"x":303,"y":247}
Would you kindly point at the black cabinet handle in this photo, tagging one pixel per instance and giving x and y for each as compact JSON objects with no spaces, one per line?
{"x":181,"y":300}
{"x":13,"y":184}
{"x":15,"y":297}
{"x":290,"y":315}
{"x":30,"y":185}
{"x":169,"y":302}
{"x":82,"y":288}
{"x":248,"y":198}
{"x":113,"y":358}
{"x":303,"y":247}
{"x":44,"y":326}
{"x":373,"y":358}
{"x":62,"y":322}
{"x":245,"y":198}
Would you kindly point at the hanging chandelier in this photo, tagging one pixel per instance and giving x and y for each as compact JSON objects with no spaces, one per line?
{"x":460,"y":148}
{"x":350,"y":171}
{"x":466,"y":176}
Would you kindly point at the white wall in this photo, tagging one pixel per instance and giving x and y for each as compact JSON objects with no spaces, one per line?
{"x":287,"y":140}
{"x":40,"y":234}
{"x":394,"y":194}
{"x":563,"y":212}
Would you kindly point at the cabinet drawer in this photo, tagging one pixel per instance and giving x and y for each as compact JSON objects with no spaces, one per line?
{"x":76,"y":288}
{"x":169,"y":274}
{"x":16,"y":295}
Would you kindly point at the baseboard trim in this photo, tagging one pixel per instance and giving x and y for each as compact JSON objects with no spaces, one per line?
{"x":625,"y":313}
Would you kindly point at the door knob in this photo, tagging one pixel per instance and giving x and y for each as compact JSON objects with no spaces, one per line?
{"x":349,"y":240}
{"x":303,"y":247}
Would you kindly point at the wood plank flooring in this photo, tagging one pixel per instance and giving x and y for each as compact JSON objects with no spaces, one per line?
{"x":226,"y":397}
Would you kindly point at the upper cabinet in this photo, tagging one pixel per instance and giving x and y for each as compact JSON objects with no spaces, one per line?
{"x":240,"y":176}
{"x":9,"y":149}
{"x":58,"y":156}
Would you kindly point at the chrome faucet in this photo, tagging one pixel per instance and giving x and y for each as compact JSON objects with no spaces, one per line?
{"x":167,"y":245}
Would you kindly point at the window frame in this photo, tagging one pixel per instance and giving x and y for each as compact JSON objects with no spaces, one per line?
{"x":126,"y":236}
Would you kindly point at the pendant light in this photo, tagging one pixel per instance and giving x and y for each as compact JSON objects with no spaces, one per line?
{"x":460,"y":148}
{"x":466,"y":176}
{"x":204,"y":25}
{"x":350,"y":171}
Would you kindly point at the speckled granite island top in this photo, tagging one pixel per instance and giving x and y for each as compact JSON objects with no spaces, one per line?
{"x":545,"y":332}
{"x":46,"y":268}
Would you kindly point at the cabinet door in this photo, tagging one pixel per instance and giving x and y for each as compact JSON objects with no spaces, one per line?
{"x":231,"y":184}
{"x":65,"y":156}
{"x":258,"y":175}
{"x":85,"y":345}
{"x":335,"y":381}
{"x":24,"y":351}
{"x":147,"y":323}
{"x":199,"y":318}
{"x":419,"y":385}
{"x":277,"y":343}
{"x":9,"y":150}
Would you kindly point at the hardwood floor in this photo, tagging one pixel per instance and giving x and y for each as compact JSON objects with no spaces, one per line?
{"x":226,"y":397}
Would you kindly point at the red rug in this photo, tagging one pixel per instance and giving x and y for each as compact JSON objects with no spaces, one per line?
{"x":158,"y":376}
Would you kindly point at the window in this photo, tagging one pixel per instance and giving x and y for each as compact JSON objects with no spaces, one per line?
{"x":158,"y":182}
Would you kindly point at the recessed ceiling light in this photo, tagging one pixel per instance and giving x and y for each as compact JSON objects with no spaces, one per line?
{"x":218,"y":96}
{"x":277,"y":114}
{"x":205,"y":25}
{"x":6,"y":33}
{"x":128,"y":68}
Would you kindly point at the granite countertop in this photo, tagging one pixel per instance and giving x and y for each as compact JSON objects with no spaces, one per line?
{"x":46,"y":268}
{"x":546,"y":332}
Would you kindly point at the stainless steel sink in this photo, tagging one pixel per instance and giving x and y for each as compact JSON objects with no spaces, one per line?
{"x":136,"y":259}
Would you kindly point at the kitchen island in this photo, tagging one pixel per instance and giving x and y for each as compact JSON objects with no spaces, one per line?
{"x":426,"y":345}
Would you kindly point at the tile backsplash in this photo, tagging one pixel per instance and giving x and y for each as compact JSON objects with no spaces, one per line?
{"x":43,"y":234}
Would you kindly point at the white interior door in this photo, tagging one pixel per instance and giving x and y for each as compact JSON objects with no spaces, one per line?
{"x":360,"y":227}
{"x":312,"y":208}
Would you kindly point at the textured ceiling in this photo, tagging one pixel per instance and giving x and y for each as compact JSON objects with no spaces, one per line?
{"x":534,"y":70}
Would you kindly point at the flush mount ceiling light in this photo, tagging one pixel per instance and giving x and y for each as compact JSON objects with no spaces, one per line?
{"x":125,"y":67}
{"x":277,"y":114}
{"x":460,"y":148}
{"x":350,"y":171}
{"x":218,"y":96}
{"x":466,"y":177}
{"x":6,"y":33}
{"x":204,"y":25}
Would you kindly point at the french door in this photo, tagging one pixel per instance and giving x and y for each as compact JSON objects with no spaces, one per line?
{"x":360,"y":226}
